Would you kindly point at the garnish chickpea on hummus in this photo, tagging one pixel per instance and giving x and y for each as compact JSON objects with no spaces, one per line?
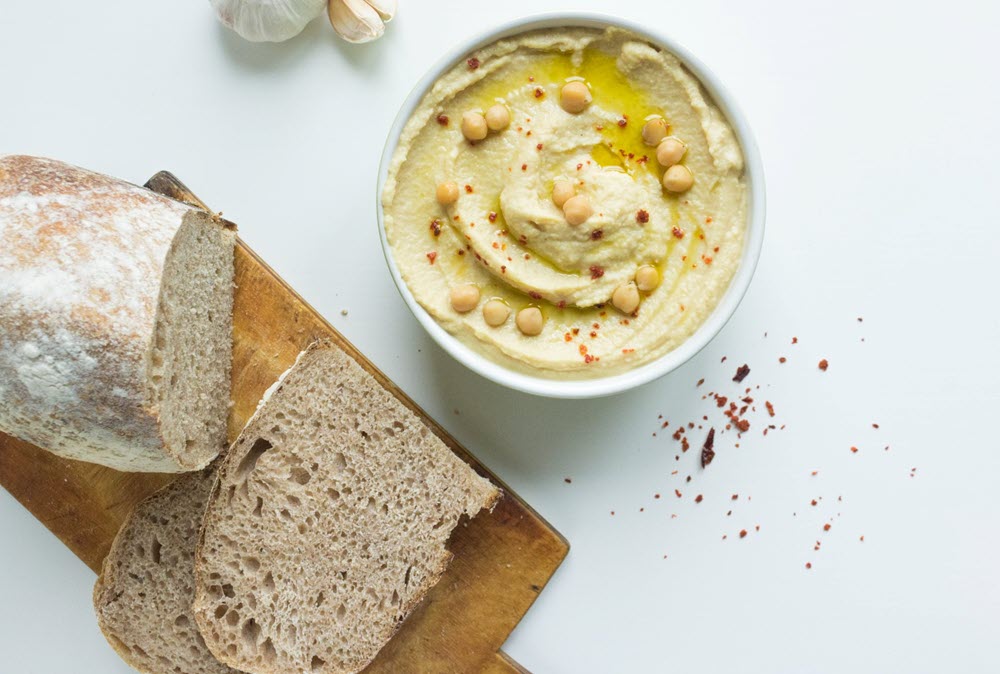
{"x":567,"y":202}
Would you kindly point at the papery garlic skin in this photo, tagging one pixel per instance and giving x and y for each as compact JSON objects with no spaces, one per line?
{"x":356,"y":20}
{"x":267,"y":20}
{"x":385,"y":8}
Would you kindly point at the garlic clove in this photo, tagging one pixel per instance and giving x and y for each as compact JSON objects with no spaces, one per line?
{"x":385,"y":8}
{"x":356,"y":20}
{"x":267,"y":20}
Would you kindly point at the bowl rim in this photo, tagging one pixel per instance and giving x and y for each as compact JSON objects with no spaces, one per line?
{"x":716,"y":320}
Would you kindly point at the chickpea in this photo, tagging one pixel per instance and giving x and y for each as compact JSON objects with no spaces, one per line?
{"x":678,"y":179}
{"x":474,"y":125}
{"x":464,"y":298}
{"x":670,"y":151}
{"x":626,"y":298}
{"x":495,"y":313}
{"x":562,"y":191}
{"x":647,"y":278}
{"x":654,"y":131}
{"x":447,"y":193}
{"x":575,"y":97}
{"x":577,"y":209}
{"x":498,"y":117}
{"x":530,"y":321}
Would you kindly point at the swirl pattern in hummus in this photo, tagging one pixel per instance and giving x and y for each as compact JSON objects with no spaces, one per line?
{"x":505,"y":235}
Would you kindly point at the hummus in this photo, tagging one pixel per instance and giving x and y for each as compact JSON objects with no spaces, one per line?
{"x":505,"y":235}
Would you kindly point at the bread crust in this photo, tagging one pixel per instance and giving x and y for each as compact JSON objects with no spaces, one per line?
{"x":81,"y":263}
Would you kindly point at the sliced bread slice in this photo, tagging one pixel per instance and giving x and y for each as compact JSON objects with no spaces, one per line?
{"x":328,"y":523}
{"x":144,"y":593}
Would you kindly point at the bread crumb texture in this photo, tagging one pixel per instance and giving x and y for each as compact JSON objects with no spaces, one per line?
{"x":144,"y":593}
{"x":328,"y":524}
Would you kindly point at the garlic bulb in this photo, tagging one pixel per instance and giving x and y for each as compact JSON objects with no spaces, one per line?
{"x":361,"y":20}
{"x":267,"y":20}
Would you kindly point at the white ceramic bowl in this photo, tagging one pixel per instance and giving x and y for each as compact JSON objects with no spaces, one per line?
{"x":590,"y":388}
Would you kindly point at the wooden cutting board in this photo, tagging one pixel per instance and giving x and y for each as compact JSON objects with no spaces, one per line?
{"x":502,"y":559}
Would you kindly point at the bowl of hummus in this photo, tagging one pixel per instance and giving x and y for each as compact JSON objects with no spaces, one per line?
{"x":571,"y":205}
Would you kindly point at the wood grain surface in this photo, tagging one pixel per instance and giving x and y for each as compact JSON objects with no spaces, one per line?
{"x":502,"y":559}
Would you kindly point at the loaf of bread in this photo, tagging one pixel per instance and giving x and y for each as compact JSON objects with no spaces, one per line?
{"x":144,"y":593}
{"x":115,"y":319}
{"x":328,"y":523}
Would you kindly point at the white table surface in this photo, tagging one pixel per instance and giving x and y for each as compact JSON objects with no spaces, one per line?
{"x":879,"y":125}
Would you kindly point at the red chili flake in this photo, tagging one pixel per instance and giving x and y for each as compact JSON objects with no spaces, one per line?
{"x":815,"y":472}
{"x":678,"y":492}
{"x":743,"y":425}
{"x":436,"y":227}
{"x":685,"y":445}
{"x":468,"y":189}
{"x":698,"y":498}
{"x":700,"y":382}
{"x":795,"y":340}
{"x":473,"y":63}
{"x":854,"y":450}
{"x":862,"y":539}
{"x":678,"y":232}
{"x":597,"y":235}
{"x":770,"y":407}
{"x":721,"y":400}
{"x":432,"y":256}
{"x":596,"y":272}
{"x":561,"y":304}
{"x":874,"y":425}
{"x":707,"y":452}
{"x":678,"y":433}
{"x":460,"y":252}
{"x":496,"y":245}
{"x":524,"y":167}
{"x":567,"y":480}
{"x":442,"y":119}
{"x":809,"y":565}
{"x":656,"y":496}
{"x":860,"y":319}
{"x":743,"y":533}
{"x":539,"y":92}
{"x":734,"y":497}
{"x":492,"y":217}
{"x":813,"y":502}
{"x":535,"y":295}
{"x":741,"y":373}
{"x":623,"y":121}
{"x":782,"y":359}
{"x":503,"y":269}
{"x":642,"y":216}
{"x":583,"y":349}
{"x":576,"y":331}
{"x":823,"y":364}
{"x":593,"y":334}
{"x":568,"y":337}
